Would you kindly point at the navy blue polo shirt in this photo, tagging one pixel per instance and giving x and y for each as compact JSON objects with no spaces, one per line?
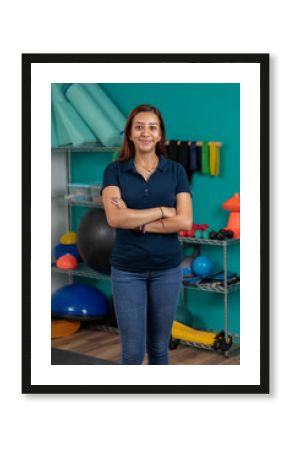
{"x":135,"y":252}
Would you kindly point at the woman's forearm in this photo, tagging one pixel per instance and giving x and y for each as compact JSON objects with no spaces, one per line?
{"x":133,"y":218}
{"x":167,"y":226}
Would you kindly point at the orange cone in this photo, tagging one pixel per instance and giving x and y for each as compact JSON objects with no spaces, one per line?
{"x":233,"y":205}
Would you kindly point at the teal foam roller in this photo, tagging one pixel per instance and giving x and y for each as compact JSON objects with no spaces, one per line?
{"x":107,"y":105}
{"x":93,"y":115}
{"x":57,"y":95}
{"x":72,"y":125}
{"x":61,"y":133}
{"x":54,"y":140}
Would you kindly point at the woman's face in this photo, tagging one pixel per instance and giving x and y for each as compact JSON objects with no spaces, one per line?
{"x":145,"y":131}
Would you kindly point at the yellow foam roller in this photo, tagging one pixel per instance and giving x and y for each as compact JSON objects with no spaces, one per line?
{"x":180,"y":331}
{"x":69,"y":238}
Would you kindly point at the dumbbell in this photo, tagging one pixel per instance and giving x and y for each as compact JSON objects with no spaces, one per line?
{"x":213,"y":235}
{"x":225,"y":234}
{"x":221,"y":235}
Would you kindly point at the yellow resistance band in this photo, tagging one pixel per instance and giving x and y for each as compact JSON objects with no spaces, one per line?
{"x":214,"y":152}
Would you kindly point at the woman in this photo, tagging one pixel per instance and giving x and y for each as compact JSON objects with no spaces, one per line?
{"x":147,"y":199}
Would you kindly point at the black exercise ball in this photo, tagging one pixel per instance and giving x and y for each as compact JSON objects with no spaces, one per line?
{"x":95,"y":239}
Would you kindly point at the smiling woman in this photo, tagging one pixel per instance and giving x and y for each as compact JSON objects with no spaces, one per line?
{"x":147,"y":199}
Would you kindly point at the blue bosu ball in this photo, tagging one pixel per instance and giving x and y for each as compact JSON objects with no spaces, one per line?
{"x":79,"y":302}
{"x":202,"y":266}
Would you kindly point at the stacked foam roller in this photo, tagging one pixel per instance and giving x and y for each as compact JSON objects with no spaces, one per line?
{"x":83,"y":113}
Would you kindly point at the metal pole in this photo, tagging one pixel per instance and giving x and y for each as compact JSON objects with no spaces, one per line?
{"x":69,"y":181}
{"x":69,"y":215}
{"x":225,"y":293}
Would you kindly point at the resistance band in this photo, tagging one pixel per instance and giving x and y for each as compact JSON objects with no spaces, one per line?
{"x":205,"y":169}
{"x":214,"y":158}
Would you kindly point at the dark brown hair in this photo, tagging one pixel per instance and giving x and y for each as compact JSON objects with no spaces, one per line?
{"x":127,"y":150}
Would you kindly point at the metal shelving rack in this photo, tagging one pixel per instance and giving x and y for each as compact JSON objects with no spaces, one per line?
{"x":68,"y":150}
{"x":85,"y":271}
{"x":65,"y":200}
{"x":90,"y":147}
{"x":225,"y":289}
{"x":87,"y":147}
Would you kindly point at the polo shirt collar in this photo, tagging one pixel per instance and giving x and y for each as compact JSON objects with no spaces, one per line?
{"x":162,"y":165}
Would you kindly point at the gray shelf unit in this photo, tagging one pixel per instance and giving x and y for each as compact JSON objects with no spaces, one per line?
{"x":90,"y":147}
{"x":84,"y":271}
{"x":62,"y":200}
{"x":68,"y":150}
{"x":225,"y":289}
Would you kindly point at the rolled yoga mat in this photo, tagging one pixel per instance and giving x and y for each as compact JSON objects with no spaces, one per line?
{"x":70,"y":127}
{"x":214,"y":158}
{"x":192,"y":158}
{"x":171,"y":150}
{"x":198,"y":158}
{"x":93,"y":115}
{"x":107,"y":105}
{"x":205,"y":159}
{"x":183,"y":157}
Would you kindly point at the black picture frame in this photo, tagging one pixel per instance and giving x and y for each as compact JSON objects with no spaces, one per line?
{"x":263,"y":61}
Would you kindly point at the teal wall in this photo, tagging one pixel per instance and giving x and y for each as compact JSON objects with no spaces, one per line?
{"x":206,"y":112}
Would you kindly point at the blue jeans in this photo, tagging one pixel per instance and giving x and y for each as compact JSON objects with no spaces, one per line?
{"x":145,"y":306}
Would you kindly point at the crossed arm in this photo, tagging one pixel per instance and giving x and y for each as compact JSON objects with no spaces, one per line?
{"x":157,"y":220}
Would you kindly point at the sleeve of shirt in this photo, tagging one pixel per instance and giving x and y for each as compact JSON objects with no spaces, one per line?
{"x":110,"y":176}
{"x":182,"y":181}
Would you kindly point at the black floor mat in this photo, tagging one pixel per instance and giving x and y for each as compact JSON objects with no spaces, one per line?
{"x":63,"y":357}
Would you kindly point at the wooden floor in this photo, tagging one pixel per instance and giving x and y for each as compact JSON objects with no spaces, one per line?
{"x":106,"y":345}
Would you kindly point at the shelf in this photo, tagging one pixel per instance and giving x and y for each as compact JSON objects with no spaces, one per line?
{"x":81,"y":271}
{"x":87,"y":147}
{"x":226,"y":243}
{"x":60,"y":199}
{"x":84,"y":271}
{"x":216,"y":290}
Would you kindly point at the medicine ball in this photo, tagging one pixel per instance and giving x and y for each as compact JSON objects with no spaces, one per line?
{"x":95,"y":239}
{"x":202,"y":266}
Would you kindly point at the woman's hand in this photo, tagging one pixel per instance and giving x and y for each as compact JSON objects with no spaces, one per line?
{"x":119,"y":202}
{"x":168,"y":212}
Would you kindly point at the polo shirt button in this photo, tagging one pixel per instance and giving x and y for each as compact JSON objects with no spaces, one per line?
{"x":146,"y":190}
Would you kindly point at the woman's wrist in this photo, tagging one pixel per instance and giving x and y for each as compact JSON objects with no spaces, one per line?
{"x":140,"y":230}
